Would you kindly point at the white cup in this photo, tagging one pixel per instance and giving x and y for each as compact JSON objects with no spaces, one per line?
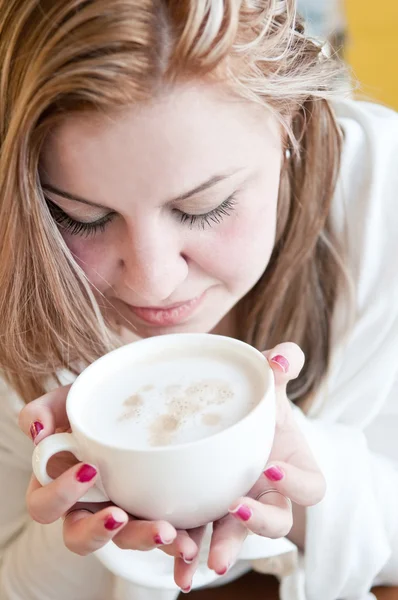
{"x":188,"y":484}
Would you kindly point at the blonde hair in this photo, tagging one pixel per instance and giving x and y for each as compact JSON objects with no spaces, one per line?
{"x":58,"y":56}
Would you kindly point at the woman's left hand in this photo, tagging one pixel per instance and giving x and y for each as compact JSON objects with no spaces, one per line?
{"x":292,"y":475}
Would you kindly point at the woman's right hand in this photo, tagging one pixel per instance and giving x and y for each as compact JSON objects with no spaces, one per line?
{"x":89,"y":526}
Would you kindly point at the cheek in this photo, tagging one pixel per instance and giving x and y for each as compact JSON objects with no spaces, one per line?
{"x":239,"y":251}
{"x":252,"y":244}
{"x":95,"y":258}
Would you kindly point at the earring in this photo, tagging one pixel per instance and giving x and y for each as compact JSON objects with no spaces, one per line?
{"x":288,"y":154}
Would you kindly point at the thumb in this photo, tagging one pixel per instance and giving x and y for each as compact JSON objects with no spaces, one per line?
{"x":286,"y":361}
{"x":44,"y":416}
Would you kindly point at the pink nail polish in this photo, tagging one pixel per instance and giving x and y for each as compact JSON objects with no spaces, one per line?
{"x":35,"y":429}
{"x":158,"y":540}
{"x":86,"y":473}
{"x":243,"y":512}
{"x":222,"y":571}
{"x":281,"y":361}
{"x":274,"y":473}
{"x":186,"y":590}
{"x":111,"y":524}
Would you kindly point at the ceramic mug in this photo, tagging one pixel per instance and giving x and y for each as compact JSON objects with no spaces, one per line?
{"x":189,"y":484}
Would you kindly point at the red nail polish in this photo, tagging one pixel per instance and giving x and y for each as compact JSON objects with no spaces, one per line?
{"x":281,"y":361}
{"x":243,"y":512}
{"x":274,"y":473}
{"x":86,"y":473}
{"x":35,"y":429}
{"x":111,"y":524}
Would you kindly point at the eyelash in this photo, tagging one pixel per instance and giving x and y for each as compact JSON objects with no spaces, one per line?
{"x":77,"y":227}
{"x":213,"y":217}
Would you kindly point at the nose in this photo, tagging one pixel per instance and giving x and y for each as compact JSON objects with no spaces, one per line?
{"x":153,"y":264}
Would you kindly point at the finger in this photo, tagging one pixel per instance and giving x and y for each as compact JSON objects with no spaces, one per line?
{"x":49,"y":503}
{"x":286,"y":361}
{"x":306,"y":487}
{"x":145,"y":535}
{"x":43,"y":416}
{"x":292,"y":467}
{"x":271,"y":517}
{"x":85,"y":532}
{"x":183,"y":547}
{"x":226,"y":542}
{"x":183,"y":572}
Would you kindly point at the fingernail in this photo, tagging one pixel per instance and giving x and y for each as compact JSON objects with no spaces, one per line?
{"x":111,"y":524}
{"x":186,"y":560}
{"x":281,"y":361}
{"x":186,"y":590}
{"x":35,"y":429}
{"x":223,"y":571}
{"x":274,"y":473}
{"x":86,"y":473}
{"x":242,"y":511}
{"x":159,"y":541}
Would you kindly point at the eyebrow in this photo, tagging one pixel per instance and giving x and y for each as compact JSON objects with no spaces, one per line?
{"x":197,"y":190}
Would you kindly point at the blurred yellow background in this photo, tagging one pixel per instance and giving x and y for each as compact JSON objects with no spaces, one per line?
{"x":372,"y":47}
{"x":365,"y":32}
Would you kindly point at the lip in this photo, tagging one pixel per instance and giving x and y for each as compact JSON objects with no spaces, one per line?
{"x":170,"y":315}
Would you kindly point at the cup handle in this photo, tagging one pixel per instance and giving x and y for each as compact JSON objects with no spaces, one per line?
{"x":60,"y":442}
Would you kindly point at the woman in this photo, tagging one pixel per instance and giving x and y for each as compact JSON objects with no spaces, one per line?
{"x":175,"y":166}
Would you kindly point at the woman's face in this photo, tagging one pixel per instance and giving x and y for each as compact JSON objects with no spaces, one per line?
{"x":169,"y":207}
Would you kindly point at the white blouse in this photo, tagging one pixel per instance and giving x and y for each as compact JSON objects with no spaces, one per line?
{"x":352,"y":535}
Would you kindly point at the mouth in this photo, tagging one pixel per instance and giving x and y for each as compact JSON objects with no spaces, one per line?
{"x":168,"y":315}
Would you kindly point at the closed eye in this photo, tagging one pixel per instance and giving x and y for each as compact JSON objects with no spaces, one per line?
{"x":87,"y":229}
{"x":213,"y":217}
{"x":75,"y":227}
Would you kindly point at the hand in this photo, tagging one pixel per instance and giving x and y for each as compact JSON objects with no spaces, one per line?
{"x":292,"y":474}
{"x":88,"y":527}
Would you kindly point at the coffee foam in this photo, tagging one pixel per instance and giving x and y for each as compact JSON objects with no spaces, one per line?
{"x":178,"y":401}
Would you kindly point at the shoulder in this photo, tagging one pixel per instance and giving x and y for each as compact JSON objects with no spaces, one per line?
{"x":366,"y":122}
{"x":369,"y":157}
{"x":362,"y":375}
{"x":365,"y":204}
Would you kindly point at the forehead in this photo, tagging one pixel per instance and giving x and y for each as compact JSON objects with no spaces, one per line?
{"x":177,"y":140}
